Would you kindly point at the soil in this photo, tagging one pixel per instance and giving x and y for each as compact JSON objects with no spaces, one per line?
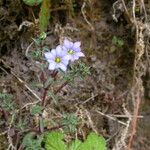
{"x":111,"y":65}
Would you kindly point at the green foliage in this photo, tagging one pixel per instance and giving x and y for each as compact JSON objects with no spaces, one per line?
{"x":70,"y":121}
{"x":49,"y":81}
{"x":77,"y":70}
{"x":37,"y":85}
{"x":7,"y":102}
{"x":54,"y":141}
{"x":117,"y":41}
{"x":75,"y":145}
{"x":43,"y":36}
{"x":32,"y":143}
{"x":82,"y":69}
{"x":37,"y":41}
{"x":53,"y":96}
{"x":21,"y":125}
{"x":44,"y":14}
{"x":32,"y":2}
{"x":38,"y":52}
{"x":93,"y":142}
{"x":36,"y":109}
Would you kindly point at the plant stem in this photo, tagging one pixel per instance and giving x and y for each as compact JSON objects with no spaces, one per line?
{"x":63,"y":85}
{"x":54,"y":75}
{"x":44,"y":102}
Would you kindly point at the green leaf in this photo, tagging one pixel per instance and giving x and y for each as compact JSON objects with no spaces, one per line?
{"x":44,"y":15}
{"x":30,"y":142}
{"x":54,"y":141}
{"x":93,"y":142}
{"x":36,"y":110}
{"x":42,"y":36}
{"x":32,"y":2}
{"x":70,"y":122}
{"x":7,"y":102}
{"x":54,"y":97}
{"x":120,"y":43}
{"x":114,"y":40}
{"x":117,"y":41}
{"x":75,"y":145}
{"x":49,"y":81}
{"x":36,"y":41}
{"x":37,"y":85}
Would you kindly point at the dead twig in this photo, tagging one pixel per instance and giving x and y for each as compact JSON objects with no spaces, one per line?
{"x":110,"y":117}
{"x":84,"y":16}
{"x":18,"y":78}
{"x":10,"y":146}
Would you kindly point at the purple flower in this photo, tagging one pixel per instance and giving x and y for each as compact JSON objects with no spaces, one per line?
{"x":57,"y":59}
{"x":73,"y":49}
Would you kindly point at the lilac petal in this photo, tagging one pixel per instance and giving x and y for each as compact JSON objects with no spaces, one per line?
{"x":68,"y":44}
{"x":76,"y":45}
{"x":64,"y":48}
{"x":75,"y":57}
{"x":76,"y":49}
{"x":67,"y":57}
{"x":62,"y":66}
{"x":52,"y":66}
{"x":51,"y":60}
{"x":53,"y":51}
{"x":65,"y":61}
{"x":79,"y":54}
{"x":59,"y":50}
{"x":49,"y":55}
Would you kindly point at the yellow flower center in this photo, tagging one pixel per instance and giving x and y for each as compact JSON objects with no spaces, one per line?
{"x":57,"y":59}
{"x":70,"y":51}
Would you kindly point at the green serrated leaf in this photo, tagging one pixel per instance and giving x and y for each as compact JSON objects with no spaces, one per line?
{"x":27,"y":139}
{"x":75,"y":145}
{"x":7,"y":102}
{"x":44,"y":14}
{"x":70,"y":121}
{"x":32,"y":143}
{"x":93,"y":142}
{"x":54,"y":141}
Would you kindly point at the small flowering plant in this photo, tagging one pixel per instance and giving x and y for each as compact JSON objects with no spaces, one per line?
{"x":64,"y":65}
{"x":57,"y":58}
{"x":73,"y":50}
{"x":57,"y":67}
{"x":60,"y":57}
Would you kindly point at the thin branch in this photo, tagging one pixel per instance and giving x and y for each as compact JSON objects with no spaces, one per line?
{"x":112,"y":118}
